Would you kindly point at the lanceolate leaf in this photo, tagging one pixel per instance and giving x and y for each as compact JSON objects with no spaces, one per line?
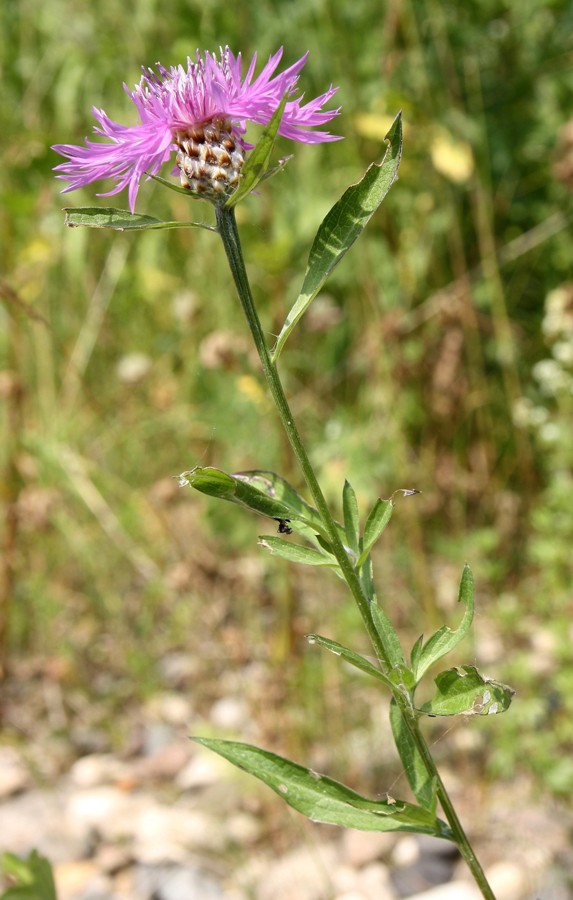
{"x":375,"y":525}
{"x":423,"y":787}
{"x":257,"y":162}
{"x":324,"y":800}
{"x":388,"y":635}
{"x":343,"y":225}
{"x":351,"y":657}
{"x":121,"y":220}
{"x":445,"y":639}
{"x":351,"y":517}
{"x":463,"y":691}
{"x":296,"y":552}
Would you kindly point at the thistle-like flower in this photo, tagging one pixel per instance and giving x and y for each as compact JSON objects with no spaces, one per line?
{"x":200,"y":113}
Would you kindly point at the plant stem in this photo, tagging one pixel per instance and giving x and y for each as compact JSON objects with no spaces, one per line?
{"x":228,"y":230}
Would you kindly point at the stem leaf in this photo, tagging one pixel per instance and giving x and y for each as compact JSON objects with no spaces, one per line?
{"x":351,"y":657}
{"x":343,"y":225}
{"x":257,"y":162}
{"x":120,"y":220}
{"x":462,"y":690}
{"x":445,"y":639}
{"x":351,"y":517}
{"x":423,"y":786}
{"x":296,"y":552}
{"x":322,"y":799}
{"x":376,"y":522}
{"x":388,"y":636}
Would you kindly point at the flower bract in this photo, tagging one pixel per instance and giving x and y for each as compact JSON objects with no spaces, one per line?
{"x":200,"y":112}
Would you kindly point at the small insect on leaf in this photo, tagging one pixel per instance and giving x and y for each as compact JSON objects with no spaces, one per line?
{"x":284,"y":527}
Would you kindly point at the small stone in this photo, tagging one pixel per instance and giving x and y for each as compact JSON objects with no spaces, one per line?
{"x":175,"y":883}
{"x":302,"y":874}
{"x":167,"y":834}
{"x":96,"y":769}
{"x":508,"y":881}
{"x":406,"y":852}
{"x":358,"y":848}
{"x":229,"y":714}
{"x":14,"y":776}
{"x":201,"y":771}
{"x":243,"y":829}
{"x":79,"y":879}
{"x":453,"y":890}
{"x":133,"y":367}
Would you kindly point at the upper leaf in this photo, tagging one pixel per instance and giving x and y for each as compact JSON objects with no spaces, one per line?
{"x":324,"y":800}
{"x":258,"y":160}
{"x":343,"y":225}
{"x":445,"y":639}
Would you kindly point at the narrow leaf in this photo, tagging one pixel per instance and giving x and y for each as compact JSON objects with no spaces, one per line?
{"x":351,"y":657}
{"x":343,"y":225}
{"x":323,"y":800}
{"x":296,"y":552}
{"x":375,"y":525}
{"x":120,"y":220}
{"x":445,"y":639}
{"x":463,"y":691}
{"x":258,"y":160}
{"x":351,"y":517}
{"x":277,"y":488}
{"x":388,"y":636}
{"x":216,"y":483}
{"x":423,"y":786}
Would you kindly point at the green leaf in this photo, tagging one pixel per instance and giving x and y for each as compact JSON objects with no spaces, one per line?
{"x":351,"y":517}
{"x":296,"y":552}
{"x":120,"y":220}
{"x":445,"y":639}
{"x":265,"y":493}
{"x":351,"y":657}
{"x":388,"y":635}
{"x":375,"y":525}
{"x":423,"y":786}
{"x":34,"y":876}
{"x":463,"y":691}
{"x":323,"y":800}
{"x":258,"y":160}
{"x":343,"y":225}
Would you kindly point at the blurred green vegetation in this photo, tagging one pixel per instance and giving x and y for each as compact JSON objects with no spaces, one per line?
{"x":125,"y":360}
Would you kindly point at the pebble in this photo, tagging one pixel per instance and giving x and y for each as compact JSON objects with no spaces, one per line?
{"x":14,"y":775}
{"x":509,"y":881}
{"x":358,"y":848}
{"x":453,"y":890}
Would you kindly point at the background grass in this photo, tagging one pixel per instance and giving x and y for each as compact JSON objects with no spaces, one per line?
{"x":125,"y":361}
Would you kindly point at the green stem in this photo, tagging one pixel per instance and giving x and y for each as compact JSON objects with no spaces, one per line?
{"x":228,"y":230}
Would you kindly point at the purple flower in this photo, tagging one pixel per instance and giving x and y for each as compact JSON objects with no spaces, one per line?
{"x":200,"y":112}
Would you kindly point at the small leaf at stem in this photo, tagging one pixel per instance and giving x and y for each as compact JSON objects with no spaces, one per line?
{"x":296,"y":552}
{"x":462,"y":690}
{"x":351,"y":517}
{"x":343,"y":225}
{"x":258,"y":160}
{"x":388,"y":636}
{"x":323,"y":800}
{"x":351,"y":657}
{"x":376,"y":522}
{"x":445,"y":639}
{"x":120,"y":220}
{"x":423,"y":786}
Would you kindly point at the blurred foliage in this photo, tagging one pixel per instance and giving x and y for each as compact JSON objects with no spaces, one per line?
{"x":125,"y":360}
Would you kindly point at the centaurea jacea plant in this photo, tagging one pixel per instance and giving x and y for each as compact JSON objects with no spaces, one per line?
{"x":200,"y":114}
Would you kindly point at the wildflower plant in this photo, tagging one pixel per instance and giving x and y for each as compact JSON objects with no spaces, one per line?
{"x":198,"y":114}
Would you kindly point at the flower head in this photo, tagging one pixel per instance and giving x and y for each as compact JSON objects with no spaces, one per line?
{"x":200,"y":112}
